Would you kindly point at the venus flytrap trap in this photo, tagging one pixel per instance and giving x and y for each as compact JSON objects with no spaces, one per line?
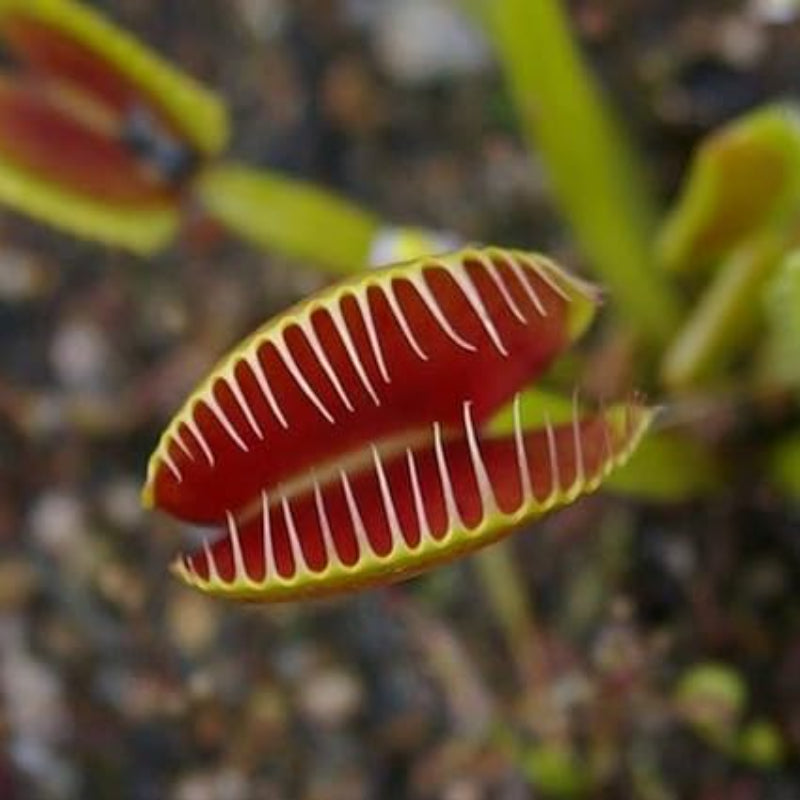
{"x":743,"y":178}
{"x":97,"y":134}
{"x":102,"y":138}
{"x":302,"y":217}
{"x":321,"y":450}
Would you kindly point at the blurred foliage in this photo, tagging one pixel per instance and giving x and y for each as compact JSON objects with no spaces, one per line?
{"x":669,"y":467}
{"x":556,"y":771}
{"x":190,"y":106}
{"x":292,"y":217}
{"x":333,"y":233}
{"x":781,"y":356}
{"x":141,"y":231}
{"x":712,"y":697}
{"x":725,"y":317}
{"x":744,"y":178}
{"x":598,"y":180}
{"x":785,"y":466}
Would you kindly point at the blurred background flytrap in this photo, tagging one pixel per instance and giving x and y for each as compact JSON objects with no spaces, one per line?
{"x":644,"y":642}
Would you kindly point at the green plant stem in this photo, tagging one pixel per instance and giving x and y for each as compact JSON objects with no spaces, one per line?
{"x":289,"y":216}
{"x":595,"y":175}
{"x":506,"y":594}
{"x":726,"y":315}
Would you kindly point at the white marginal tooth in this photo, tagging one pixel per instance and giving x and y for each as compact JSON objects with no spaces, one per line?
{"x":194,"y":428}
{"x":399,"y":315}
{"x":254,"y":362}
{"x":286,"y":356}
{"x":238,"y":393}
{"x":325,"y":526}
{"x":542,"y":272}
{"x":298,"y":556}
{"x":526,"y":488}
{"x":470,"y":291}
{"x":167,"y":459}
{"x":190,"y":571}
{"x":629,"y":420}
{"x":451,"y":509}
{"x":213,"y":405}
{"x":270,"y":564}
{"x":493,"y":272}
{"x":239,"y":569}
{"x":522,"y":278}
{"x":181,"y":442}
{"x":609,"y":447}
{"x":362,"y":299}
{"x":485,"y":488}
{"x":395,"y":532}
{"x":349,"y":345}
{"x":307,"y":327}
{"x":432,"y":304}
{"x":580,"y":467}
{"x":555,"y":472}
{"x":362,"y":540}
{"x":213,"y":572}
{"x":425,"y":533}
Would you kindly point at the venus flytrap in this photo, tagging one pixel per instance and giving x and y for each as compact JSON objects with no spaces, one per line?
{"x":319,"y":450}
{"x":103,"y":138}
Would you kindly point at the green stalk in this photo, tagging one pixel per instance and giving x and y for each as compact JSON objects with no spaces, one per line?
{"x":726,"y":315}
{"x":596,"y":177}
{"x":288,"y":216}
{"x":505,"y":592}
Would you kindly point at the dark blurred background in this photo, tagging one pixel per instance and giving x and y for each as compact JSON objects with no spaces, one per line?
{"x":116,"y":682}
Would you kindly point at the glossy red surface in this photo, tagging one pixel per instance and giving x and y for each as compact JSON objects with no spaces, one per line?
{"x":418,"y":393}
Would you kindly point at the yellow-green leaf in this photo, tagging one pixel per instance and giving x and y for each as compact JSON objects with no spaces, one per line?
{"x":597,"y":179}
{"x":195,"y":110}
{"x":741,"y":179}
{"x":292,"y":217}
{"x":142,"y":230}
{"x":725,"y":317}
{"x":785,"y":466}
{"x":782,"y":304}
{"x":668,"y":467}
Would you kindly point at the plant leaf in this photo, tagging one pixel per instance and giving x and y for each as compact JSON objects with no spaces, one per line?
{"x":668,"y":467}
{"x":292,"y":217}
{"x":73,"y":41}
{"x":726,"y":316}
{"x":743,"y":178}
{"x":597,"y":179}
{"x":782,"y":305}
